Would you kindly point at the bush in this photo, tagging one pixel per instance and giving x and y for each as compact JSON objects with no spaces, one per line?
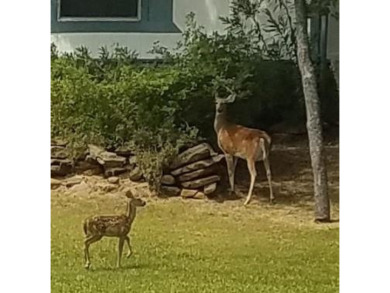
{"x":268,"y":86}
{"x":131,"y":105}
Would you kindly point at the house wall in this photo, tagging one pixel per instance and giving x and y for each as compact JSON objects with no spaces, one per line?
{"x":333,"y":39}
{"x":138,"y":36}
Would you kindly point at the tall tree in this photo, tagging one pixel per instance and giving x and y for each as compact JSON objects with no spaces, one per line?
{"x":314,"y":128}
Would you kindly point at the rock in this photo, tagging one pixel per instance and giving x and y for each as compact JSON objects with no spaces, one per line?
{"x":109,"y":172}
{"x":88,"y":168}
{"x":59,"y":142}
{"x":85,"y":165}
{"x":123,"y":151}
{"x":57,"y":162}
{"x":54,"y":183}
{"x":168,"y":180}
{"x":58,"y":152}
{"x":92,"y":172}
{"x":104,"y":158}
{"x":199,"y":195}
{"x":91,"y":160}
{"x":57,"y":171}
{"x":201,"y":182}
{"x":94,"y":151}
{"x":170,"y":190}
{"x":197,"y":174}
{"x":110,"y":160}
{"x":83,"y":188}
{"x":196,"y":153}
{"x":128,"y":167}
{"x":198,"y":165}
{"x":113,"y":180}
{"x":210,"y":188}
{"x":135,"y":174}
{"x":81,"y":156}
{"x":73,"y":181}
{"x":188,"y":193}
{"x":107,"y":187}
{"x":62,"y":169}
{"x":133,"y":161}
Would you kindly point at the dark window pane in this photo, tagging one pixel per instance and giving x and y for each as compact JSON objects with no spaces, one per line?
{"x":98,"y":8}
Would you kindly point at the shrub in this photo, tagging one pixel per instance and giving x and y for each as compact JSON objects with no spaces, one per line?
{"x":140,"y":107}
{"x":267,"y":82}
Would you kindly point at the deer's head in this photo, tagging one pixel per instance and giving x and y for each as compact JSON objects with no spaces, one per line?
{"x":220,"y":104}
{"x":137,"y":202}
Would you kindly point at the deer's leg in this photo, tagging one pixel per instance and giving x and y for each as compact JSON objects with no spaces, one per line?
{"x":87,"y":242}
{"x":230,"y":167}
{"x":120,"y":249}
{"x":235,"y":160}
{"x":252,"y":171}
{"x":268,"y":171}
{"x":127,"y":239}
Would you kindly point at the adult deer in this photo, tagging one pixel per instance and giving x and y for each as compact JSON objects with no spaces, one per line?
{"x":237,"y":141}
{"x":96,"y":227}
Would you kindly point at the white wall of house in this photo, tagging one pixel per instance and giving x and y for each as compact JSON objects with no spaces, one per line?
{"x":207,"y":14}
{"x":333,"y":39}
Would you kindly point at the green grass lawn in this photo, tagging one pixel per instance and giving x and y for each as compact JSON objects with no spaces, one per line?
{"x":196,"y":246}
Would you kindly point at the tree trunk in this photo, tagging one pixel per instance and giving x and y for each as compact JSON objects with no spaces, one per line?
{"x":314,"y":128}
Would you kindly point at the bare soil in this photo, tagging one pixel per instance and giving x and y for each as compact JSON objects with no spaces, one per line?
{"x":291,"y":179}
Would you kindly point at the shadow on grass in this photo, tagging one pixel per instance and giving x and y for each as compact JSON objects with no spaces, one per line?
{"x":291,"y":176}
{"x":126,"y":267}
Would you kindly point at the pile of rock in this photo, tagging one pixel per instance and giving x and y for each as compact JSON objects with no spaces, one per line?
{"x":61,"y":165}
{"x":95,"y":161}
{"x":194,"y":173}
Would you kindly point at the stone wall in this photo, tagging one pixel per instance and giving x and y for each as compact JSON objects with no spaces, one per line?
{"x":194,"y":173}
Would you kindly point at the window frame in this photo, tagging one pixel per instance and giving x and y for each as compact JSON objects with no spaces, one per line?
{"x":98,"y":19}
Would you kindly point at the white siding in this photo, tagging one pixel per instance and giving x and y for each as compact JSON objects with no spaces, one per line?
{"x":207,"y":13}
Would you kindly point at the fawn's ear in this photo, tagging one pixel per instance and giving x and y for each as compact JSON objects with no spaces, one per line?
{"x":129,"y":194}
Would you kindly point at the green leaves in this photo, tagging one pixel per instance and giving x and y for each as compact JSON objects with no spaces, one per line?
{"x":265,"y":26}
{"x":111,"y":103}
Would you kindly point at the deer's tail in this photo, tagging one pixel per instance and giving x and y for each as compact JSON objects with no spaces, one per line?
{"x":265,"y":145}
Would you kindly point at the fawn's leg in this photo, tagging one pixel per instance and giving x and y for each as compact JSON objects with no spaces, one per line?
{"x":268,"y":171}
{"x":120,"y":249}
{"x":127,"y":239}
{"x":87,"y":242}
{"x":252,"y":171}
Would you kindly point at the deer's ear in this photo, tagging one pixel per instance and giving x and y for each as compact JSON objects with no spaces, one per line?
{"x":231,"y":98}
{"x":129,"y":194}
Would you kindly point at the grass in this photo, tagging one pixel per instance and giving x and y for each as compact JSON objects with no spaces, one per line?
{"x":196,"y":246}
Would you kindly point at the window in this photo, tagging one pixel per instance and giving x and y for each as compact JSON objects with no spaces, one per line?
{"x":92,"y":10}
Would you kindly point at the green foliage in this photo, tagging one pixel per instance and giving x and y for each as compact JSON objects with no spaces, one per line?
{"x":111,"y":103}
{"x":267,"y":82}
{"x":265,"y":25}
